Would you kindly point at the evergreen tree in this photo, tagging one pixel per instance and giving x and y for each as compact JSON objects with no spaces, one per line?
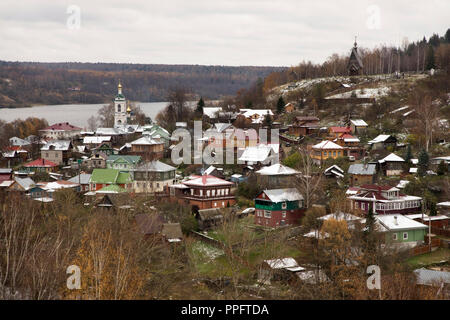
{"x":424,"y":162}
{"x":200,"y":105}
{"x":268,"y":121}
{"x":430,"y":62}
{"x":408,"y":155}
{"x":447,"y":36}
{"x":442,"y":168}
{"x":280,"y":105}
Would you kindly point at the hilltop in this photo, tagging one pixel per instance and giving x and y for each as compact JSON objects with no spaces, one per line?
{"x":28,"y":83}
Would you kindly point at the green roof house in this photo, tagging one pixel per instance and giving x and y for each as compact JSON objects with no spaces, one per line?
{"x":122,"y":162}
{"x":101,"y":178}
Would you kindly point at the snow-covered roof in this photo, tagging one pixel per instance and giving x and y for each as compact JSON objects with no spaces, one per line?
{"x":402,"y":184}
{"x":58,"y":145}
{"x":257,"y":153}
{"x":340,"y":216}
{"x":415,"y":216}
{"x":415,"y":161}
{"x":443,"y":204}
{"x":413,"y":170}
{"x":25,"y":183}
{"x":431,"y":277}
{"x":96,"y":139}
{"x":359,"y":123}
{"x":258,"y":112}
{"x":156,"y":166}
{"x":211,"y":111}
{"x":379,"y":138}
{"x":394,"y":222}
{"x":281,"y":195}
{"x":362,"y":169}
{"x":206,"y":180}
{"x":57,"y":185}
{"x":392,"y":158}
{"x":145,"y":140}
{"x":276,"y":170}
{"x":326,"y":144}
{"x":285,"y":263}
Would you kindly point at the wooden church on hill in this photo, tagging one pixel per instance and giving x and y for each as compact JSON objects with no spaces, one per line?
{"x":355,"y":64}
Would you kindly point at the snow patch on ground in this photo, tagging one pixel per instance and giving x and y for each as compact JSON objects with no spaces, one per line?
{"x":208,"y":251}
{"x":363,"y":93}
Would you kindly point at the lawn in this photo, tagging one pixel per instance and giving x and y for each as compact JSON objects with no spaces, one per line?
{"x":441,"y":254}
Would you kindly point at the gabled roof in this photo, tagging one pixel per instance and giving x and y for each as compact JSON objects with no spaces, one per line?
{"x":280,"y":195}
{"x":125,"y":158}
{"x":25,"y":183}
{"x":340,"y":129}
{"x":56,"y":185}
{"x":145,"y":140}
{"x":58,"y":145}
{"x":207,"y":180}
{"x":362,"y":169}
{"x":112,"y":188}
{"x":109,"y":176}
{"x":257,"y":153}
{"x":40,"y":163}
{"x":276,"y":170}
{"x":15,"y":141}
{"x":392,"y":158}
{"x":380,"y":138}
{"x":326,"y":144}
{"x":334,"y":169}
{"x":285,"y":263}
{"x":359,"y":123}
{"x":82,"y":178}
{"x":155,"y":166}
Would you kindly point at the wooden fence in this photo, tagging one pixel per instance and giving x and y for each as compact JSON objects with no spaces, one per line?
{"x":441,"y":232}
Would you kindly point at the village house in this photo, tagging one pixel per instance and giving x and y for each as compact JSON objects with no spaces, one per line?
{"x":57,"y":151}
{"x":289,"y":107}
{"x":336,"y":132}
{"x":93,"y":142}
{"x":358,"y":126}
{"x":325,"y":150}
{"x":41,"y":165}
{"x":383,"y":141}
{"x":204,"y":192}
{"x":276,"y":175}
{"x":401,"y":230}
{"x":22,"y":185}
{"x":104,"y":177}
{"x":83,"y":180}
{"x":212,"y":218}
{"x":147,"y":148}
{"x":51,"y":187}
{"x":279,"y":207}
{"x":304,"y":125}
{"x":351,"y":145}
{"x":153,"y":176}
{"x":256,"y":115}
{"x":5,"y":174}
{"x":97,"y":160}
{"x":392,"y":165}
{"x":122,"y":162}
{"x":259,"y":155}
{"x":361,"y":173}
{"x":60,"y":131}
{"x":157,"y":133}
{"x":105,"y":148}
{"x":14,"y":155}
{"x":383,"y":200}
{"x":334,"y":172}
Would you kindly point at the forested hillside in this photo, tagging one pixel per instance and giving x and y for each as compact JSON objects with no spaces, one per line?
{"x":26,"y":83}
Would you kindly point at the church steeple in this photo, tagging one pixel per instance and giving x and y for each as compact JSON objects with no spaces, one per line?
{"x":120,"y":107}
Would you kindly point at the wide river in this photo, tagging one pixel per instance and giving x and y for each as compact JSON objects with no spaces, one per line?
{"x":76,"y":114}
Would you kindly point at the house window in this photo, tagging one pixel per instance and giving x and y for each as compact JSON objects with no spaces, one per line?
{"x":201,"y":193}
{"x":207,"y":193}
{"x":267,"y":214}
{"x":213,"y":192}
{"x":405,"y":235}
{"x":394,"y":236}
{"x":363,"y":206}
{"x":283,"y":214}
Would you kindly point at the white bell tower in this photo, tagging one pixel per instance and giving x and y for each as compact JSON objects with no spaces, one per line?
{"x":120,"y":108}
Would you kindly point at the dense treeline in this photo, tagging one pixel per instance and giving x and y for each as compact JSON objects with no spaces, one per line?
{"x":417,"y":56}
{"x":25,"y":83}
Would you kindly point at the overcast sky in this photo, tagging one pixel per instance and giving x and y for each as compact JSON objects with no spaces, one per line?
{"x":211,"y":32}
